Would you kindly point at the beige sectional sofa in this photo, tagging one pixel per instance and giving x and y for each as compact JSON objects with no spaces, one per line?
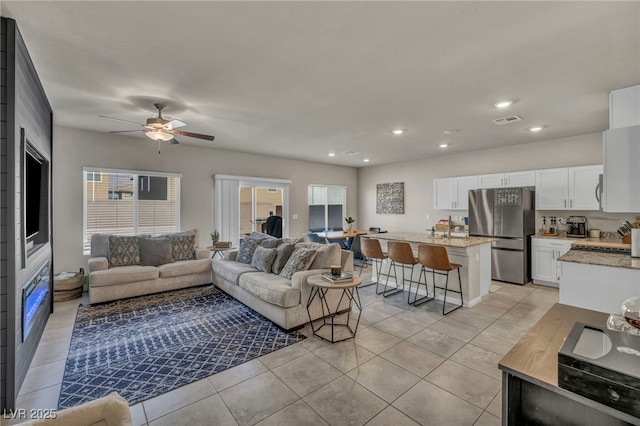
{"x":280,"y":299}
{"x":152,"y":270}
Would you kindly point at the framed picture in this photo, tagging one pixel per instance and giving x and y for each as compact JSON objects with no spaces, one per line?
{"x":390,"y":198}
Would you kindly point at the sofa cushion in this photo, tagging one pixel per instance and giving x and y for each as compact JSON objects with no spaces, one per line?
{"x":230,"y":270}
{"x":283,"y":253}
{"x":247,"y":248}
{"x":100,"y":245}
{"x":123,"y":275}
{"x":271,"y":242}
{"x":300,"y":260}
{"x":263,"y":258}
{"x":183,"y":246}
{"x":155,"y":251}
{"x":123,"y":250}
{"x":327,"y":255}
{"x":184,"y":267}
{"x":271,"y":288}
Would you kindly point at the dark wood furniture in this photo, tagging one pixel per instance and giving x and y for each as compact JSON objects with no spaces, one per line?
{"x":530,"y":392}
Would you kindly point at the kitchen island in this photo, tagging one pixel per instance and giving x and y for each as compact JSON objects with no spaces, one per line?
{"x":530,"y":392}
{"x":473,"y":253}
{"x":598,"y":281}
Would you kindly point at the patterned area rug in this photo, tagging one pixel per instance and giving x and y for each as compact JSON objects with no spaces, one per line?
{"x":149,"y":345}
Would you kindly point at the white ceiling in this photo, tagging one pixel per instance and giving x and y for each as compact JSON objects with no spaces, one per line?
{"x":302,"y":79}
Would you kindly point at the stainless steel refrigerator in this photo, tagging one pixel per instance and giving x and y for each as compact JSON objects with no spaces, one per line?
{"x":507,"y":214}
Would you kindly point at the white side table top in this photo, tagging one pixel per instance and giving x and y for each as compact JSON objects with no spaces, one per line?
{"x":320,"y":281}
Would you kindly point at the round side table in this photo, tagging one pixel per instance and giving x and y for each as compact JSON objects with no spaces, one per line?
{"x":219,"y":251}
{"x":319,"y":288}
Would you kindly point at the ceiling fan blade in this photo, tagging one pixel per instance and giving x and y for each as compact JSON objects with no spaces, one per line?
{"x":173,"y":141}
{"x":174,"y":124}
{"x":125,"y":131}
{"x":120,"y":119}
{"x":193,"y":135}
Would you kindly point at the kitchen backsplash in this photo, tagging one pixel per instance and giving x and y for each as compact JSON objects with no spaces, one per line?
{"x":607,"y":222}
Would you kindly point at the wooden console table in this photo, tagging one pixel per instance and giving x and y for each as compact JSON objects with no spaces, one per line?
{"x":530,"y":392}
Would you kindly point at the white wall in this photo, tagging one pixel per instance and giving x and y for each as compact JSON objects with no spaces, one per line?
{"x":74,"y":149}
{"x":418,"y":176}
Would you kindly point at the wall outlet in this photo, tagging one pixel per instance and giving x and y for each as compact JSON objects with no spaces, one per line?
{"x":294,"y":216}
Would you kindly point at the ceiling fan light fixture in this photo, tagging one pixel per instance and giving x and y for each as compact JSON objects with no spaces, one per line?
{"x":159,"y":135}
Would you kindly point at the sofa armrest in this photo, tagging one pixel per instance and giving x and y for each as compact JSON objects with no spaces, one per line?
{"x":98,"y":264}
{"x":346,"y":259}
{"x":202,"y":253}
{"x":230,"y":255}
{"x":299,"y":279}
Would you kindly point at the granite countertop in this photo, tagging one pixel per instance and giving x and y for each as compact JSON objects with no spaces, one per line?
{"x":601,"y":259}
{"x":607,"y":237}
{"x":424,"y":238}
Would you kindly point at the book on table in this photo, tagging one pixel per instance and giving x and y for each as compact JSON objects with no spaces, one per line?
{"x":342,"y":278}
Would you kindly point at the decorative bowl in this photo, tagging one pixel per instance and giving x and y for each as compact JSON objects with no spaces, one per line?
{"x":630,"y":310}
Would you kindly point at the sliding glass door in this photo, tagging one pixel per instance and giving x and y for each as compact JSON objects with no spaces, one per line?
{"x":257,"y":203}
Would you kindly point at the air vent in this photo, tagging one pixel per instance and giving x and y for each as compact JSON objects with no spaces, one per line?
{"x":506,"y":120}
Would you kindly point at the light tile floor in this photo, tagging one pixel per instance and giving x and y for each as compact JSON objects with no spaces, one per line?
{"x":406,"y":366}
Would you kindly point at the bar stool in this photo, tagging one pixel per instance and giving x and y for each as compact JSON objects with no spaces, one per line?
{"x":371,"y":250}
{"x":436,"y":259}
{"x":400,"y":253}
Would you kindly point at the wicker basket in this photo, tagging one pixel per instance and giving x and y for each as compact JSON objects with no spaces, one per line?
{"x":67,"y":287}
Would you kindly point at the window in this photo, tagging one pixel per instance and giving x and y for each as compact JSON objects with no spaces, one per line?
{"x":94,"y":176}
{"x":327,"y":207}
{"x":128,"y":203}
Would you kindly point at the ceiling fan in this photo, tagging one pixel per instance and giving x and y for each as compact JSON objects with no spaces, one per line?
{"x":161,"y":129}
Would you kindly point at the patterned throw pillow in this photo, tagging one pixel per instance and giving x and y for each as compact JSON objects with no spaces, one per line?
{"x":271,"y":242}
{"x":124,"y":251}
{"x":155,"y":251}
{"x":263,"y":258}
{"x":183,"y":246}
{"x":247,"y":248}
{"x":300,"y":260}
{"x":283,"y":253}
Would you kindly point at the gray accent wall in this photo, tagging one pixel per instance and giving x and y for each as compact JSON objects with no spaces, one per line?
{"x":25,"y":109}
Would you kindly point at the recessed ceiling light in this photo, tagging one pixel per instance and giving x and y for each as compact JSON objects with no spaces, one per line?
{"x":503,"y":104}
{"x":366,"y":160}
{"x":397,"y":131}
{"x":535,"y":129}
{"x":451,"y":131}
{"x":443,"y":145}
{"x":332,"y":154}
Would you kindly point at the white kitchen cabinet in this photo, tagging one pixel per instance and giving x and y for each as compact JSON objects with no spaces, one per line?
{"x":624,"y":107}
{"x":453,"y":193}
{"x":507,"y":180}
{"x":621,"y":155}
{"x":544,"y":260}
{"x":571,"y":188}
{"x":583,"y":187}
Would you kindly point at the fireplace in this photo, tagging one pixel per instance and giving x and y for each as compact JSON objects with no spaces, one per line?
{"x":34,"y":298}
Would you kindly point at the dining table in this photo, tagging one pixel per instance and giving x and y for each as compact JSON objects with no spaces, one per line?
{"x":344,"y":235}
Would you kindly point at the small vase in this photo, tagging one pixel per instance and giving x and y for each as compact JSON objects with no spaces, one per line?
{"x":349,"y":226}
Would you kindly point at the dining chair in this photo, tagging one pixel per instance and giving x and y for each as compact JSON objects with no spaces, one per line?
{"x":312,"y":237}
{"x":436,"y":259}
{"x":357,"y":253}
{"x":401,"y":254}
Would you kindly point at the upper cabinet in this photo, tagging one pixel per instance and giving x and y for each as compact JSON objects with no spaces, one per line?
{"x":573,"y":188}
{"x":621,"y":155}
{"x":624,"y":107}
{"x":507,"y":180}
{"x":453,"y":193}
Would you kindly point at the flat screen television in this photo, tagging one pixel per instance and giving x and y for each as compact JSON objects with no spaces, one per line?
{"x":36,"y":197}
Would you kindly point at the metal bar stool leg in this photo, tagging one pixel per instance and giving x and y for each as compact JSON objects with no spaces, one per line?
{"x":446,"y":288}
{"x":426,"y":298}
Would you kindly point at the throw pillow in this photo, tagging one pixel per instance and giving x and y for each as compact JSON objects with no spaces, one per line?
{"x":328,"y":254}
{"x":100,"y":245}
{"x":124,"y":251}
{"x":247,"y":247}
{"x":263,"y":258}
{"x":155,"y":251}
{"x":271,"y":242}
{"x":183,"y":246}
{"x":283,"y":253}
{"x":300,"y":260}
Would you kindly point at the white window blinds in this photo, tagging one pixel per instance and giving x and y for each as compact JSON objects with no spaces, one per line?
{"x":129,"y":203}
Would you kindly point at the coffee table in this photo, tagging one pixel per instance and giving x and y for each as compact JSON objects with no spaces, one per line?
{"x":319,"y":288}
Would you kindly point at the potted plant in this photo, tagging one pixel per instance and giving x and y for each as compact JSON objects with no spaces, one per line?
{"x":349,"y":221}
{"x":215,"y":237}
